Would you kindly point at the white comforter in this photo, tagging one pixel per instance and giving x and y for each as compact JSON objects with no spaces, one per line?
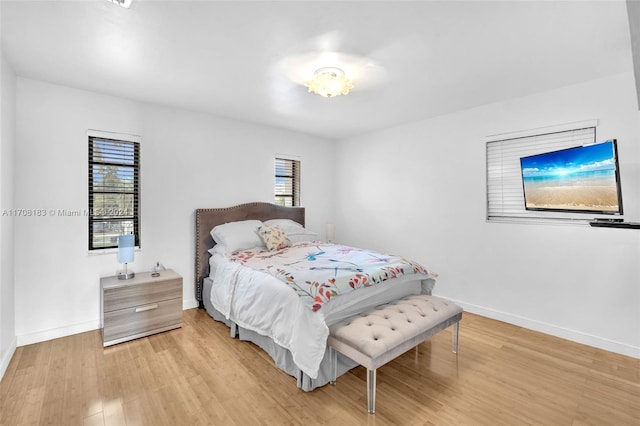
{"x":279,"y":313}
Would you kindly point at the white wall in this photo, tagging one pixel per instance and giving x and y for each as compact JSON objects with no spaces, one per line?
{"x":188,"y":160}
{"x":416,"y":190}
{"x":7,"y":145}
{"x":419,"y":190}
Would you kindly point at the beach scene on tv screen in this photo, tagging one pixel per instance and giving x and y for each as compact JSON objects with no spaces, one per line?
{"x":582,"y":178}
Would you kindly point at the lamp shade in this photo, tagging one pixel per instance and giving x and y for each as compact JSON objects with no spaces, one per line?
{"x":331,"y":232}
{"x":126,"y":246}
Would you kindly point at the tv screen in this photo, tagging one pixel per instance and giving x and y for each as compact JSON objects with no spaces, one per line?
{"x":580,"y":179}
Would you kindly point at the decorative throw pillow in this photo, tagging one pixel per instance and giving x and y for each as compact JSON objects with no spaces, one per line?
{"x":274,"y":237}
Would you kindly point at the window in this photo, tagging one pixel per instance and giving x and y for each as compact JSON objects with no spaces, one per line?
{"x":114,"y":182}
{"x":505,"y":198}
{"x":287,"y":182}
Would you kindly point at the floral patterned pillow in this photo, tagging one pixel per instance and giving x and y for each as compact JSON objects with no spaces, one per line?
{"x":274,"y":237}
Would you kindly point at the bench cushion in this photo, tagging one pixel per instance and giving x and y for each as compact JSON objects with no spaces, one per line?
{"x":379,"y":335}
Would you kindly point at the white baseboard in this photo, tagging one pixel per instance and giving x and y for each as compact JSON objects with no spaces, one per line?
{"x":6,"y":357}
{"x":54,"y":333}
{"x":554,"y":330}
{"x":189,"y":304}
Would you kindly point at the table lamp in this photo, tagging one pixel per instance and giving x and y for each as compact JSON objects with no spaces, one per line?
{"x":126,"y":246}
{"x":331,"y":232}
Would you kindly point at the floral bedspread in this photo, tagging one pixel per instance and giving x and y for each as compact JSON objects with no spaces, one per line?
{"x":319,"y":272}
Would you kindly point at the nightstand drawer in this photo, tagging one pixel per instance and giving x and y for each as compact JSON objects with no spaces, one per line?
{"x":142,"y":319}
{"x":117,"y":298}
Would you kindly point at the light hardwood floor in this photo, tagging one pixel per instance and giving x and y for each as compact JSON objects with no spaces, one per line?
{"x":198,"y":375}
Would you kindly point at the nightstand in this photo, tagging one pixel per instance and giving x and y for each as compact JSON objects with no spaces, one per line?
{"x":141,"y":306}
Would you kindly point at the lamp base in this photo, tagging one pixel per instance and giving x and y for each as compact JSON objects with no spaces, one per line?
{"x":126,"y":275}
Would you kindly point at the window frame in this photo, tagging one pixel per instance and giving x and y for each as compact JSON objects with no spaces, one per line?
{"x":294,"y":195}
{"x":503,"y":177}
{"x":134,"y":143}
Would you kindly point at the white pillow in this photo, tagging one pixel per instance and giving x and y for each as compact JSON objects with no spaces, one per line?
{"x":287,"y":225}
{"x":295,"y":232}
{"x":301,"y":236}
{"x":218,"y":248}
{"x":238,"y":235}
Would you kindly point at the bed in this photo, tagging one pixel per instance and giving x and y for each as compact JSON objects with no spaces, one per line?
{"x":258,"y":307}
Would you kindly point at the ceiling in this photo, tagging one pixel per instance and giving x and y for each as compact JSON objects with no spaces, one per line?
{"x":245,"y":60}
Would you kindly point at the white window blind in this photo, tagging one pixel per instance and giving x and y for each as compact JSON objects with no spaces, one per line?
{"x":114,"y":197}
{"x":287,"y":182}
{"x":505,"y":196}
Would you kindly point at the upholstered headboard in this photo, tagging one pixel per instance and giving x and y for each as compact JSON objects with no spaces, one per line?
{"x":207,"y":219}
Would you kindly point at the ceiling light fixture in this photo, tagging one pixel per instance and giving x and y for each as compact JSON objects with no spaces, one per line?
{"x":123,"y":3}
{"x":329,"y":82}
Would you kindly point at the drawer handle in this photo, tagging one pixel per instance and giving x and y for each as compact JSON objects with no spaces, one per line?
{"x":146,"y":308}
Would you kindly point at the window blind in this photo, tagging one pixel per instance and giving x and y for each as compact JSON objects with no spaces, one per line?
{"x":505,"y":196}
{"x":114,"y":197}
{"x":287,"y":182}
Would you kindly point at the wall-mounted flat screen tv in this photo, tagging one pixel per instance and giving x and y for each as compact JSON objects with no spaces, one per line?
{"x":582,"y":179}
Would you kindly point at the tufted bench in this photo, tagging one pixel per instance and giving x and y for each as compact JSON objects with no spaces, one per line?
{"x":379,"y":335}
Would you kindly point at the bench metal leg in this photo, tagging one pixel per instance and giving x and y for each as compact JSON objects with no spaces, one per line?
{"x":371,"y":391}
{"x":455,"y":337}
{"x":333,"y":363}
